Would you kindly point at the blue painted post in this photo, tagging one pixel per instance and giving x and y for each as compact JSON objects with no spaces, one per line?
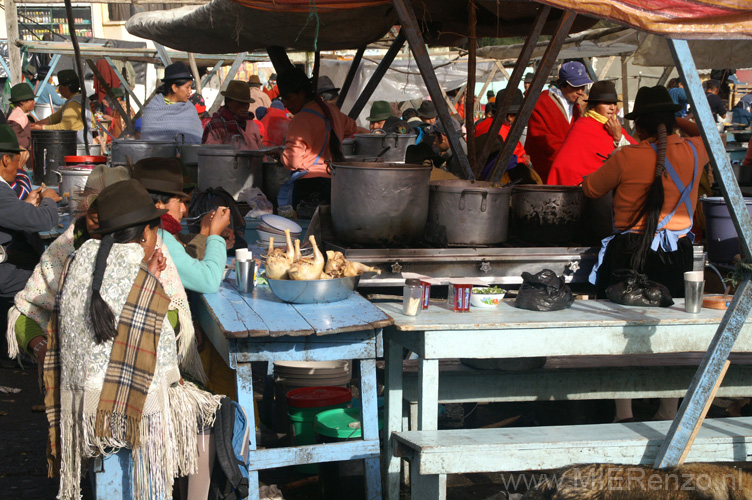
{"x":694,"y":407}
{"x":211,"y":73}
{"x":53,"y":66}
{"x":244,"y":376}
{"x":163,"y":55}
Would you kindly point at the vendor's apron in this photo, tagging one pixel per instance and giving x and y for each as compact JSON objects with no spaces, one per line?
{"x":284,"y":196}
{"x":665,"y":239}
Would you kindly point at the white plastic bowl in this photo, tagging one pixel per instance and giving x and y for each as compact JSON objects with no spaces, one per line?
{"x":486,"y":300}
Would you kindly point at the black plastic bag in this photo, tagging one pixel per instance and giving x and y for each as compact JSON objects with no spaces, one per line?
{"x":544,"y":292}
{"x":635,"y":289}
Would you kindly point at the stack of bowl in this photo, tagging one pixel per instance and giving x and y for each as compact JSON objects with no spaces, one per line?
{"x":273,"y":226}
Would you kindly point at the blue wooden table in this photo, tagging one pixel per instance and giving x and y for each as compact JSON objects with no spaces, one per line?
{"x":259,"y":327}
{"x":588,"y":328}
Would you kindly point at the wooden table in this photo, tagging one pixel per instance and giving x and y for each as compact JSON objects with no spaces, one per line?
{"x":259,"y":327}
{"x":588,"y":328}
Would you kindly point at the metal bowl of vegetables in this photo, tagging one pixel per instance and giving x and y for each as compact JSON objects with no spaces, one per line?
{"x":313,"y":291}
{"x":486,"y":297}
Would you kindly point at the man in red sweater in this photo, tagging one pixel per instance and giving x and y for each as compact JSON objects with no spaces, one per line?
{"x":554,"y":114}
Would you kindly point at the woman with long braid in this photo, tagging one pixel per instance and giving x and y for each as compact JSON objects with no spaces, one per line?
{"x":314,"y":137}
{"x":656,"y":184}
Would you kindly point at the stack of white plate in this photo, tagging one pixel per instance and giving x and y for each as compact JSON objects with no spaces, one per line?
{"x":312,"y":373}
{"x":273,"y":226}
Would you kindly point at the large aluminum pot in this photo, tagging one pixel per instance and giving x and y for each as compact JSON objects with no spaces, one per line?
{"x":547,"y":214}
{"x":348,"y":147}
{"x":122,"y":149}
{"x":379,"y":203}
{"x":71,"y":184}
{"x":50,"y":147}
{"x":230,"y":168}
{"x":471,"y":213}
{"x":391,"y":147}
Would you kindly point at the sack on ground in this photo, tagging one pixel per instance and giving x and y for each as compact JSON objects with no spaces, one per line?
{"x":544,"y":291}
{"x":635,"y":289}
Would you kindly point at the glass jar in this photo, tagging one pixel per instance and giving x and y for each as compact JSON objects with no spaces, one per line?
{"x":412,"y":298}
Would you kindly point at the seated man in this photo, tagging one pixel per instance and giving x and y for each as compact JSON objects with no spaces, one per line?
{"x":234,"y":119}
{"x":380,"y":111}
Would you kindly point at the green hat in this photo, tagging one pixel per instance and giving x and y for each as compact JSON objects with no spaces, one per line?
{"x":163,"y":175}
{"x":21,"y":92}
{"x":8,"y":140}
{"x":652,"y":100}
{"x":125,"y":204}
{"x":67,"y":77}
{"x":118,"y":92}
{"x":380,"y":110}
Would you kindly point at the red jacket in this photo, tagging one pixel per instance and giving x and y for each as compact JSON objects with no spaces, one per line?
{"x":484,"y":126}
{"x":546,"y":130}
{"x":578,"y":155}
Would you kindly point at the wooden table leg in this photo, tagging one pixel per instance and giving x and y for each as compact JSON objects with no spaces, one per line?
{"x":428,"y":397}
{"x":393,"y":381}
{"x":431,"y":487}
{"x":245,"y":399}
{"x":370,"y":416}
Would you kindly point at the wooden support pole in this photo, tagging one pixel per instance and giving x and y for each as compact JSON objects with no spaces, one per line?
{"x":354,"y":65}
{"x":502,"y":105}
{"x":606,"y":67}
{"x":80,"y":68}
{"x":163,"y":55}
{"x":381,"y":70}
{"x":494,"y":69}
{"x":406,"y":15}
{"x":316,"y":70}
{"x":664,"y":76}
{"x":194,"y":70}
{"x":547,"y":63}
{"x":113,"y":100}
{"x":124,"y":83}
{"x":472,"y":42}
{"x":14,"y":52}
{"x":625,"y":93}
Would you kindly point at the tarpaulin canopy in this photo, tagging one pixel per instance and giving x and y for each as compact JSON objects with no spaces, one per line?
{"x":685,"y":19}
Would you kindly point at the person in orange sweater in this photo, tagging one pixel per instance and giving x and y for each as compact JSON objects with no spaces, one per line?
{"x":656,"y":183}
{"x":314,"y":137}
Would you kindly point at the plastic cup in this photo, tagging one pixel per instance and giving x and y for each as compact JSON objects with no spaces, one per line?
{"x":694,"y":285}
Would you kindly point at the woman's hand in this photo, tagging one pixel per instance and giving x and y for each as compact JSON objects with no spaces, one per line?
{"x":157,"y":262}
{"x":220,"y":221}
{"x":206,"y":224}
{"x":613,"y":127}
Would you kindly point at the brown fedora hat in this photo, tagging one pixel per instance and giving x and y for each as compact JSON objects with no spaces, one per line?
{"x":161,"y":175}
{"x":603,"y":91}
{"x":238,"y":90}
{"x":125,"y":204}
{"x":652,"y":100}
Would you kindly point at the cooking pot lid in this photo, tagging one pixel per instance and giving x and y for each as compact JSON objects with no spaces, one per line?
{"x":77,"y":160}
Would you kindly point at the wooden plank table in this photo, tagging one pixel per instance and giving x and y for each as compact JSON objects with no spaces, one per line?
{"x":259,"y":327}
{"x":588,"y":328}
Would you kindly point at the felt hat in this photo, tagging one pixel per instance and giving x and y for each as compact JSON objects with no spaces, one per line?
{"x":273,"y":77}
{"x":254,"y":81}
{"x":162,"y":175}
{"x":574,"y":73}
{"x":603,"y":91}
{"x":177,"y":71}
{"x":100,"y":177}
{"x":238,"y":90}
{"x":8,"y":140}
{"x":21,"y":92}
{"x":293,"y":80}
{"x":125,"y":204}
{"x":67,"y":77}
{"x":652,"y":100}
{"x":118,"y":92}
{"x":427,"y":110}
{"x":43,"y":70}
{"x":516,"y":104}
{"x":30,"y":70}
{"x":326,"y":85}
{"x":529,"y":77}
{"x":380,"y":110}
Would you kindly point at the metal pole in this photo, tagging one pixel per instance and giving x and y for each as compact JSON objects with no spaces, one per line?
{"x":546,"y":64}
{"x":194,"y":70}
{"x":354,"y":65}
{"x":472,"y":42}
{"x":381,"y":69}
{"x":500,"y":114}
{"x":406,"y":15}
{"x":79,"y":66}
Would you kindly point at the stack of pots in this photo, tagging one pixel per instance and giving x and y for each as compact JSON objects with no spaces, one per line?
{"x":379,"y":203}
{"x":468,"y":213}
{"x":73,"y":177}
{"x":50,"y":147}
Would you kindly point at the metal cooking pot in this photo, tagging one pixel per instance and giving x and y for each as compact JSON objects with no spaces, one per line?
{"x":137,"y":150}
{"x":230,"y":168}
{"x":381,"y":203}
{"x":72,"y":180}
{"x":275,"y":176}
{"x":391,"y":147}
{"x":348,"y":147}
{"x":547,"y":214}
{"x":189,"y":152}
{"x":469,"y":213}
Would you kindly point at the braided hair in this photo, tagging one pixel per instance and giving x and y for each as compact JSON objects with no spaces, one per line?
{"x":657,"y":125}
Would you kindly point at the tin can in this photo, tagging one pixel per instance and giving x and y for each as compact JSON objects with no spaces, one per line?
{"x":426,"y":293}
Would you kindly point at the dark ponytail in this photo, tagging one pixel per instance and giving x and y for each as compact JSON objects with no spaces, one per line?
{"x":335,"y":144}
{"x":658,"y":126}
{"x":102,"y":317}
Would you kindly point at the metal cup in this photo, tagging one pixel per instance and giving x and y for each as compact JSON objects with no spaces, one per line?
{"x":694,"y":286}
{"x":244,"y":275}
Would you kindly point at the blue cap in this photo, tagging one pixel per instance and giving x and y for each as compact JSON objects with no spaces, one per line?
{"x":574,"y":73}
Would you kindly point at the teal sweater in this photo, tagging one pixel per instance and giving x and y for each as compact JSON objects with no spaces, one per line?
{"x":203,"y":276}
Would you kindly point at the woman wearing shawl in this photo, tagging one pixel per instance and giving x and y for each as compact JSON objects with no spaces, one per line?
{"x":591,"y":139}
{"x":28,"y":319}
{"x":170,"y":112}
{"x":111,"y":369}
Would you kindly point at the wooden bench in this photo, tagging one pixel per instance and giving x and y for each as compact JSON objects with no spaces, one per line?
{"x":433,"y":454}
